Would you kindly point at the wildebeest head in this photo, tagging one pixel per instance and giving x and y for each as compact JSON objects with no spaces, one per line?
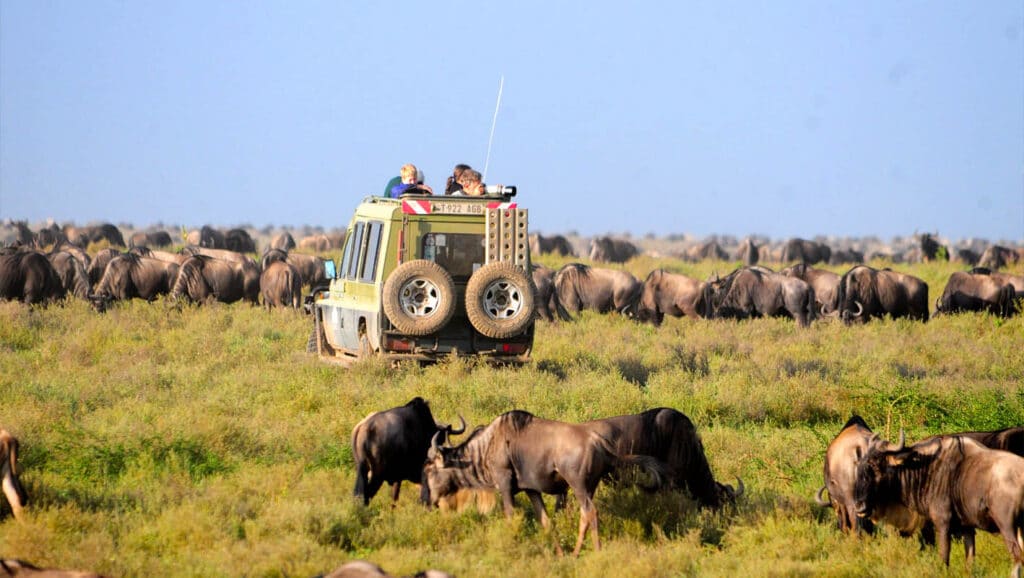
{"x":440,"y":478}
{"x":876,"y":478}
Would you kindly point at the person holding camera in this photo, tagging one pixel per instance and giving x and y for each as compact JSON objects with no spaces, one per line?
{"x":453,"y":186}
{"x":472,"y":185}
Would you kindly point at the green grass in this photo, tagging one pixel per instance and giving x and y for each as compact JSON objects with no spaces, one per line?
{"x":204,"y":442}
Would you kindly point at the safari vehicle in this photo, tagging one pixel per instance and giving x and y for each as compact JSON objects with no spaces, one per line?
{"x":427,"y":276}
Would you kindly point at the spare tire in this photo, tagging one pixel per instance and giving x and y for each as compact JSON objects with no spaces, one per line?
{"x":419,"y":297}
{"x":500,"y":300}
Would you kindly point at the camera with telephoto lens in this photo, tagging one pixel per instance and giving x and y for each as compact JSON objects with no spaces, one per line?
{"x":505,"y":190}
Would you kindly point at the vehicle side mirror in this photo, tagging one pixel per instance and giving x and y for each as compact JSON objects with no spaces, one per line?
{"x":329,"y":271}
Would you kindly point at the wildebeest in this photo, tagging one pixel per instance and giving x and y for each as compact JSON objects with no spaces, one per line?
{"x":546,"y":299}
{"x":15,"y":493}
{"x":967,"y":291}
{"x":283,"y":241}
{"x":958,"y":484}
{"x":1010,"y":439}
{"x":804,"y":251}
{"x":967,"y":256}
{"x":222,"y":254}
{"x":581,"y":287}
{"x":840,"y":473}
{"x":931,"y":249}
{"x":997,"y":257}
{"x":557,"y":244}
{"x":825,"y":284}
{"x":201,"y":278}
{"x":748,"y":253}
{"x":239,"y":240}
{"x":518,"y":452}
{"x":704,"y":251}
{"x":840,"y":256}
{"x":391,"y":446}
{"x":131,"y":276}
{"x":668,"y":436}
{"x":82,"y":236}
{"x":609,"y":250}
{"x":98,"y":266}
{"x":281,"y":285}
{"x":364,"y":569}
{"x":310,"y":267}
{"x":750,"y":292}
{"x":318,"y":243}
{"x":665,"y":293}
{"x":207,"y":237}
{"x":71,"y":273}
{"x":865,"y":293}
{"x":29,"y":277}
{"x":150,"y":239}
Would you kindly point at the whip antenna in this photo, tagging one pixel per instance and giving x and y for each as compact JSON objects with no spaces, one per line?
{"x":490,"y":139}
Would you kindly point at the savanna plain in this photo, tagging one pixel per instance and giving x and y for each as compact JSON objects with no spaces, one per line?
{"x":167,"y":440}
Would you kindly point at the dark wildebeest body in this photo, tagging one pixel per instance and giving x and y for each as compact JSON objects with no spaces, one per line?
{"x":391,"y":447}
{"x":1017,"y":281}
{"x":668,"y":436}
{"x":751,"y":292}
{"x":581,"y":287}
{"x":1010,"y":439}
{"x":99,"y":263}
{"x":71,"y":273}
{"x":557,"y":244}
{"x":608,"y":250}
{"x":976,"y":292}
{"x":865,"y":293}
{"x":82,"y":236}
{"x":281,"y":285}
{"x":29,"y":277}
{"x":748,"y":253}
{"x":130,"y":276}
{"x":150,"y":239}
{"x":310,"y":267}
{"x":12,"y":489}
{"x":840,"y":473}
{"x":202,"y":277}
{"x":283,"y":241}
{"x":930,"y":249}
{"x":545,"y":296}
{"x":78,"y":252}
{"x":665,"y":293}
{"x":958,"y":484}
{"x":518,"y":452}
{"x":997,"y":257}
{"x":804,"y":251}
{"x":825,"y":284}
{"x":841,"y":256}
{"x":239,"y":240}
{"x":207,"y":237}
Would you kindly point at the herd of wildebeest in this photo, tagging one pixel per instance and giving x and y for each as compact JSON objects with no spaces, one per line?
{"x":940,"y":487}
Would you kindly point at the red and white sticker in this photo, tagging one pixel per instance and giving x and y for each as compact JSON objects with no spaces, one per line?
{"x":502,"y":206}
{"x":415,"y":207}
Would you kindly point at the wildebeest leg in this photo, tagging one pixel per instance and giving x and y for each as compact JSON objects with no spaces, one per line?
{"x":395,"y":487}
{"x":588,"y":519}
{"x":372,"y":487}
{"x":542,"y":514}
{"x":942,"y":537}
{"x":12,"y":489}
{"x":1014,"y":538}
{"x":968,"y":536}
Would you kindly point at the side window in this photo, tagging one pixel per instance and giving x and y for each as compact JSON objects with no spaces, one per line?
{"x":355,"y":242}
{"x":369,"y":267}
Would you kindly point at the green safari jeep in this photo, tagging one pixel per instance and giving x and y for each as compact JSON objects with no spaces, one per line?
{"x":427,"y":276}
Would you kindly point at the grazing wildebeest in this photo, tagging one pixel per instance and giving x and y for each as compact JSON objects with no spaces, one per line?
{"x":967,"y":256}
{"x":668,"y":436}
{"x":391,"y":446}
{"x":865,"y":293}
{"x":608,"y":250}
{"x":665,"y":293}
{"x":958,"y":484}
{"x":581,"y":287}
{"x":310,"y":267}
{"x":557,"y":244}
{"x":78,"y":252}
{"x":758,"y":292}
{"x":825,"y":284}
{"x":239,"y":240}
{"x":29,"y":277}
{"x":930,"y":249}
{"x":840,"y":473}
{"x":281,"y":285}
{"x":706,"y":250}
{"x":22,"y":569}
{"x":997,"y":257}
{"x":202,"y":277}
{"x":207,"y":237}
{"x":150,"y":239}
{"x":546,"y":297}
{"x":804,"y":251}
{"x":131,"y":276}
{"x":71,"y":273}
{"x":82,"y":236}
{"x":283,"y":241}
{"x":16,"y":496}
{"x":518,"y":452}
{"x":748,"y":253}
{"x":364,"y":569}
{"x":98,"y":266}
{"x":966,"y":291}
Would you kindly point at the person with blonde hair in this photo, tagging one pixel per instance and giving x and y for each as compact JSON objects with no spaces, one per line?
{"x":410,"y":183}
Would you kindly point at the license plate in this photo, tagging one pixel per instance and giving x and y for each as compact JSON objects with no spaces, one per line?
{"x":450,"y":208}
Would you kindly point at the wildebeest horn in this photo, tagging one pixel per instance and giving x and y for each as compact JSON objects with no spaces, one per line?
{"x":455,"y":432}
{"x":819,"y":499}
{"x":860,"y":308}
{"x":433,"y":442}
{"x":740,"y":488}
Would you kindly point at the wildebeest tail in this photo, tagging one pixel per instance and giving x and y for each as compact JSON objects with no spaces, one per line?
{"x":190,"y":275}
{"x":657,"y":469}
{"x":555,"y":305}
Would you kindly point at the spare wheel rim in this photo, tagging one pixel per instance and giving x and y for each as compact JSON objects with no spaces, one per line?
{"x":419,"y":297}
{"x":502,"y":300}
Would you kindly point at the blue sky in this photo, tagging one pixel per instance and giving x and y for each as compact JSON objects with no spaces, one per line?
{"x":776,"y":118}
